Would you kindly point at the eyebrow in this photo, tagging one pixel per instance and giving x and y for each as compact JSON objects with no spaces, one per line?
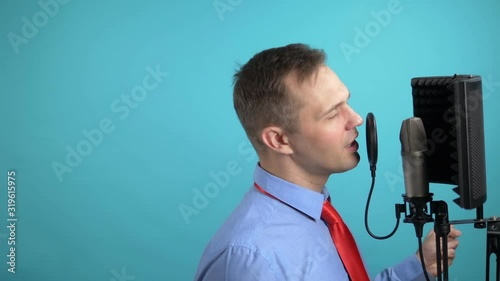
{"x":335,"y":106}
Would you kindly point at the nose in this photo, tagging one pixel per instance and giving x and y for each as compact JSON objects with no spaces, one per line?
{"x":355,"y":120}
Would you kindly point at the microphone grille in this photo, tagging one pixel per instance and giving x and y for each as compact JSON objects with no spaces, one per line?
{"x":412,"y":135}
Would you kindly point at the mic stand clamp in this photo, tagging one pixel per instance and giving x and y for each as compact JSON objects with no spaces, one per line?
{"x":418,"y":212}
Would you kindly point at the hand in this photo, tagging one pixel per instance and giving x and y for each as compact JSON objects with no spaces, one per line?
{"x":429,"y":249}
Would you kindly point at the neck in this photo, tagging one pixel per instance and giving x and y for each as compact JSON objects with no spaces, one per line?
{"x":288,"y":170}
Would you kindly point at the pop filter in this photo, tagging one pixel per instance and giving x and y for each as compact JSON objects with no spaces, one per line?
{"x":371,"y":141}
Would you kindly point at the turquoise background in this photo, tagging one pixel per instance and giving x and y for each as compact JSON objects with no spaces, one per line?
{"x":117,"y":215}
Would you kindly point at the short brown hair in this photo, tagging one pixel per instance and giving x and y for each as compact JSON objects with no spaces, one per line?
{"x":260,"y":95}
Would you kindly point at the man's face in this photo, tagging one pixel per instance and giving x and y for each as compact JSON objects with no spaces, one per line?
{"x":325,"y":140}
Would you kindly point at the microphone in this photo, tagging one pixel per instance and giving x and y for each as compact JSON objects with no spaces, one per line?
{"x":371,"y":142}
{"x":413,"y":149}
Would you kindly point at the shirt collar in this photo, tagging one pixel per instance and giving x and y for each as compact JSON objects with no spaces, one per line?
{"x":302,"y":199}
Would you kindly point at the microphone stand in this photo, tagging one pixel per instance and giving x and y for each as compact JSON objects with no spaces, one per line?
{"x":418,"y":216}
{"x":442,"y":229}
{"x":493,"y":246}
{"x":492,"y":238}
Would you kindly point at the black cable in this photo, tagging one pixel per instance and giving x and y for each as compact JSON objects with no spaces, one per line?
{"x":366,"y":212}
{"x":422,"y":262}
{"x":420,"y":250}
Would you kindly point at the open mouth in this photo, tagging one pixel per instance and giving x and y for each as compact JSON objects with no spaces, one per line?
{"x":353,"y":145}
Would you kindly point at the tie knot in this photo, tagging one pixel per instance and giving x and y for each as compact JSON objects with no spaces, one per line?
{"x":329,"y":214}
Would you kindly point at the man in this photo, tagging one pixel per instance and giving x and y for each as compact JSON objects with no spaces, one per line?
{"x":295,"y":111}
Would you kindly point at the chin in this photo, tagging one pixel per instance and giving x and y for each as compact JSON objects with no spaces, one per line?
{"x":352,"y":164}
{"x":357,"y":159}
{"x":345,"y":168}
{"x":346,"y":165}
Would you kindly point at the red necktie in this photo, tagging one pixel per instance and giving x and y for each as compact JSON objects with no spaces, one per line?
{"x":344,"y":242}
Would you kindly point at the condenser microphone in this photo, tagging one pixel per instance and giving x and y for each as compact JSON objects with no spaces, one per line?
{"x":413,"y":149}
{"x":371,"y":142}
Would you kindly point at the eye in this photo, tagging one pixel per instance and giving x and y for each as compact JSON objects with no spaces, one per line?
{"x":333,"y":114}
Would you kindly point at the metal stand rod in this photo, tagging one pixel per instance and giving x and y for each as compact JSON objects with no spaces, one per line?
{"x":442,"y":229}
{"x":493,"y":246}
{"x":438,"y":256}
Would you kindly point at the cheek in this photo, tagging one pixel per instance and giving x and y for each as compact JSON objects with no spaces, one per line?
{"x":329,"y":139}
{"x":325,"y":136}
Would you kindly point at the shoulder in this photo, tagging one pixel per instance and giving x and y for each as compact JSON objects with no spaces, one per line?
{"x":253,"y":217}
{"x":238,"y":245}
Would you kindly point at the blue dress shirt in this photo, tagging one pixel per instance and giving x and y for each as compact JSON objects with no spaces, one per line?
{"x":265,"y":239}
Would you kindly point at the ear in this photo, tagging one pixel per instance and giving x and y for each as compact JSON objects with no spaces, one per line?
{"x":276,"y":139}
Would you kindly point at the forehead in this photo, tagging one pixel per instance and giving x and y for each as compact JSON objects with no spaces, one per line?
{"x":323,"y":87}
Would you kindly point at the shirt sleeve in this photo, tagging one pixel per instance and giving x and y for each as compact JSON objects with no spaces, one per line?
{"x":408,"y":270}
{"x":239,"y":263}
